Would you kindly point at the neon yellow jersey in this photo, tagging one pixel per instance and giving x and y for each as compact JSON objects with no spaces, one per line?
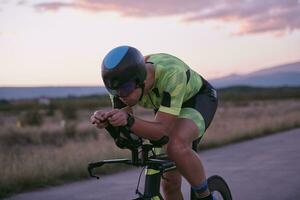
{"x":174,"y":83}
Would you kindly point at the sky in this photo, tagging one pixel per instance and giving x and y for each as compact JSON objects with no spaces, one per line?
{"x":62,"y":43}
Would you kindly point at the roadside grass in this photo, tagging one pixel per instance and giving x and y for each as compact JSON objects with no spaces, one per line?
{"x":244,"y":136}
{"x":249,"y":120}
{"x":34,"y":157}
{"x":28,"y":167}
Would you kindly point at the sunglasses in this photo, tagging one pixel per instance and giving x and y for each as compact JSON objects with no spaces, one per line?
{"x":125,"y":89}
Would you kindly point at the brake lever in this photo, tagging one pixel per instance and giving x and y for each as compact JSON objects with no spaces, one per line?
{"x":91,"y":166}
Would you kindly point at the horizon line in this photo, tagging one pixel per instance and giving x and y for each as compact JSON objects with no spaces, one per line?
{"x":100,"y":85}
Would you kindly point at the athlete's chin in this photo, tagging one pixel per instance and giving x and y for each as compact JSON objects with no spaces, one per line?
{"x":132,"y":103}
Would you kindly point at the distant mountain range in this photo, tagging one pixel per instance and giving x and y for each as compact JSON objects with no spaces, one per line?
{"x":13,"y":93}
{"x":282,"y":75}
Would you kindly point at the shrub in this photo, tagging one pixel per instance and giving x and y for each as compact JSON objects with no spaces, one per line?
{"x":31,"y":118}
{"x":50,"y":109}
{"x":69,"y":111}
{"x":70,"y":130}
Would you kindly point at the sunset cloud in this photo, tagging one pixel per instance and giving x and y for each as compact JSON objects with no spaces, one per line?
{"x":251,"y":16}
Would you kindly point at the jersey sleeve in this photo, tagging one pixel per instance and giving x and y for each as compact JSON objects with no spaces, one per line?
{"x":173,"y":91}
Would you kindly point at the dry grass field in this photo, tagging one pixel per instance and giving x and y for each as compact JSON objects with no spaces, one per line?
{"x":234,"y":122}
{"x":59,"y":150}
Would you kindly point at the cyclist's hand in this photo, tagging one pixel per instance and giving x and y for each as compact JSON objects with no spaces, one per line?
{"x":99,"y":119}
{"x":117,"y":117}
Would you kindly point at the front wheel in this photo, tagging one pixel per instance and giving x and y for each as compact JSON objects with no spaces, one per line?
{"x":219,"y":188}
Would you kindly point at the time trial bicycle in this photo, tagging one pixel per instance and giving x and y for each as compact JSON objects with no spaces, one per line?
{"x":143,"y":154}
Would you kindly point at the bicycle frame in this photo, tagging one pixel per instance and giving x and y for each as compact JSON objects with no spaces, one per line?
{"x":155,"y":167}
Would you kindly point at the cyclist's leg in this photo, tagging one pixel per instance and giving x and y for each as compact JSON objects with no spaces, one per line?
{"x":172,"y":185}
{"x":179,"y":150}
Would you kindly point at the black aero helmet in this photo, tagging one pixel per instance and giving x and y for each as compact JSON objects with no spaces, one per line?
{"x":123,"y":64}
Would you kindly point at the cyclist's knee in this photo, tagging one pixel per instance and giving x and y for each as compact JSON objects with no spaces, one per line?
{"x":177,"y":146}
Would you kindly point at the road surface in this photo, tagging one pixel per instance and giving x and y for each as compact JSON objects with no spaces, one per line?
{"x":264,"y":168}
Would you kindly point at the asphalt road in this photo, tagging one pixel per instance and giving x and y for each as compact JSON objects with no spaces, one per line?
{"x":264,"y":168}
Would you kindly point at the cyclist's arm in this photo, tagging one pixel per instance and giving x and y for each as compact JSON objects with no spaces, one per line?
{"x":116,"y":104}
{"x":154,"y":130}
{"x":174,"y":87}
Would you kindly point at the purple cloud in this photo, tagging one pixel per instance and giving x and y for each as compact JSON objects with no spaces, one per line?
{"x":256,"y":17}
{"x":134,"y":8}
{"x":22,"y":2}
{"x":52,"y":6}
{"x":252,"y":16}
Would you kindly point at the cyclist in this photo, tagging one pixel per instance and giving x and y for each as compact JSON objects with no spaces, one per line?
{"x":183,"y":101}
